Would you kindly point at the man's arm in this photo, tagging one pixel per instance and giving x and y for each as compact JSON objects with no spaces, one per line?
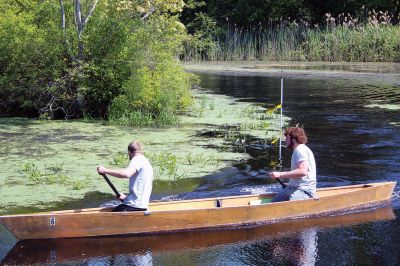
{"x":299,"y":172}
{"x":120,"y":173}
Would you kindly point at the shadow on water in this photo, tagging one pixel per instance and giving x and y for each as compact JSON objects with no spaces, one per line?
{"x":288,"y":242}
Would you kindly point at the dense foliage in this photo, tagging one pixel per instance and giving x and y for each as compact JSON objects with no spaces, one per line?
{"x":244,"y":13}
{"x":74,"y":58}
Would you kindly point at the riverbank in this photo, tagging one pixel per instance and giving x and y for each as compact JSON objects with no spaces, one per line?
{"x":294,"y":67}
{"x":44,"y":163}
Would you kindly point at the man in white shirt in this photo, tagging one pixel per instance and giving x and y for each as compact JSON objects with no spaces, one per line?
{"x":140,"y":174}
{"x":302,"y":174}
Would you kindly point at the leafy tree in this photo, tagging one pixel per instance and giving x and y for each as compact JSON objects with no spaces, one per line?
{"x":30,"y":63}
{"x":66,"y":58}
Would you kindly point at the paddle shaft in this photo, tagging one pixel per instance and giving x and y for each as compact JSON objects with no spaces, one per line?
{"x":280,"y":182}
{"x":111,"y":185}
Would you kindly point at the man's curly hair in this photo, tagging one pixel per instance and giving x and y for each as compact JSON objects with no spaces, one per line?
{"x":297,"y":133}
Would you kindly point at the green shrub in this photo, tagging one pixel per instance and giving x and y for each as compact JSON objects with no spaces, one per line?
{"x":153,"y":96}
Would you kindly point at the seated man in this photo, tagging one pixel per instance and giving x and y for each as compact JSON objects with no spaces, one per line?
{"x":302,"y":174}
{"x":140,"y":174}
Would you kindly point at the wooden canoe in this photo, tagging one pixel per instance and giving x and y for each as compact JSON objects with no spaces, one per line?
{"x":68,"y":250}
{"x":195,"y":214}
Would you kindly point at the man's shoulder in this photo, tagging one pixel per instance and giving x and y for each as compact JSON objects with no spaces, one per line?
{"x":301,"y":151}
{"x":140,"y":159}
{"x":300,"y":148}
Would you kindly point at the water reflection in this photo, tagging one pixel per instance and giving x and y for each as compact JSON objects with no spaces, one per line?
{"x":348,"y":67}
{"x":293,"y":242}
{"x":294,"y":249}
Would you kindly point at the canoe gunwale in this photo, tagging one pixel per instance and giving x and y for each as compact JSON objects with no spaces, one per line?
{"x":107,"y":210}
{"x":104,"y":210}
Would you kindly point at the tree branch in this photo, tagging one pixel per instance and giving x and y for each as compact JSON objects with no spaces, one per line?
{"x":64,"y":29}
{"x":78,"y":17}
{"x":90,"y":12}
{"x":151,"y":11}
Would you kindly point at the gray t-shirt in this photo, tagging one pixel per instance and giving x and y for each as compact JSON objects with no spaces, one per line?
{"x":141,"y":183}
{"x":308,"y":182}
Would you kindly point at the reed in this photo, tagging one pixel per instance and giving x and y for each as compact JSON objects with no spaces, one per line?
{"x":343,"y":38}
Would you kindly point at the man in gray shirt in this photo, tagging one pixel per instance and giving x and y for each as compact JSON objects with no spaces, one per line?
{"x":302,"y":174}
{"x":140,"y":174}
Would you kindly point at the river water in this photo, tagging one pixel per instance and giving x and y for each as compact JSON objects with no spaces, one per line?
{"x":353,"y":124}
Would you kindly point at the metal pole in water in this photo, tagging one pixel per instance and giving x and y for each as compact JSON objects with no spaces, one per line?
{"x":281,"y":122}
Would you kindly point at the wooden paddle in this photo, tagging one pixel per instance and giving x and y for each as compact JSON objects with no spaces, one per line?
{"x":280,"y":182}
{"x":112,"y":186}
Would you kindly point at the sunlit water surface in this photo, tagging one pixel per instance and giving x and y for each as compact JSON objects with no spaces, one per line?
{"x":353,"y":124}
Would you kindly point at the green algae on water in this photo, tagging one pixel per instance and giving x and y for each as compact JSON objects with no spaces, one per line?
{"x":76,"y":148}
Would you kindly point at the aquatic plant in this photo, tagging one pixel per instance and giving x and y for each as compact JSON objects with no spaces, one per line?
{"x":202,"y":159}
{"x":120,"y":159}
{"x":33,"y":174}
{"x":197,"y":109}
{"x":165,"y":166}
{"x":140,"y":118}
{"x":50,"y":175}
{"x":211,"y":105}
{"x":53,"y":175}
{"x":81,"y":184}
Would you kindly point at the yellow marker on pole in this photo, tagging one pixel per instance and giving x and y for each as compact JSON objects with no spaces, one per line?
{"x":273,"y":109}
{"x":273,"y":142}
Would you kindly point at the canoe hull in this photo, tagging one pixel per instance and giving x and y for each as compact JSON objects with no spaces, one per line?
{"x":65,"y":250}
{"x":194,"y":214}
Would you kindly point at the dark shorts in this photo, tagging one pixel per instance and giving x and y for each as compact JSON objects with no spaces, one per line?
{"x":289,"y":193}
{"x":126,"y":208}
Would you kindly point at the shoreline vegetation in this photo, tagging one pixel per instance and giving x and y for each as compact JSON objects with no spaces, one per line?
{"x":341,"y":39}
{"x":61,"y":156}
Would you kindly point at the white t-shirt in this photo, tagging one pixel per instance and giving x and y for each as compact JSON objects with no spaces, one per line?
{"x":141,"y":183}
{"x":308,"y":182}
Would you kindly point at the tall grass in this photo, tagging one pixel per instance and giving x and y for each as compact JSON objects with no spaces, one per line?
{"x":341,"y":39}
{"x":362,"y":44}
{"x":139,"y":118}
